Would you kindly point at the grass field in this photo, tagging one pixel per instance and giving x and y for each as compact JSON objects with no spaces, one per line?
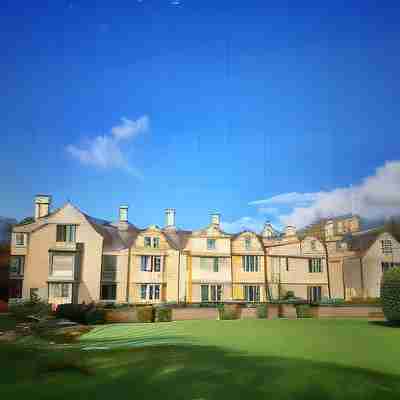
{"x":278,"y":359}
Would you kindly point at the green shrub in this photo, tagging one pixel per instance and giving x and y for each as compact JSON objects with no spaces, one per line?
{"x":94,"y":316}
{"x":163,"y":314}
{"x":33,"y":307}
{"x":145,"y":313}
{"x":303,"y":311}
{"x":333,"y":301}
{"x":73,"y":312}
{"x":364,"y":300}
{"x":289,"y":295}
{"x":229,"y":311}
{"x":262,"y":311}
{"x":390,"y":294}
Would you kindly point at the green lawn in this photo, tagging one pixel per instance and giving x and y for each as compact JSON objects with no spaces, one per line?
{"x":279,"y":359}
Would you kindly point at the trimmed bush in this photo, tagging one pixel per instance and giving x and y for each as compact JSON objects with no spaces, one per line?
{"x":333,"y":301}
{"x":145,"y":313}
{"x":364,"y":300}
{"x":262,"y":311}
{"x":163,"y":314}
{"x":95,"y":316}
{"x":34,"y":307}
{"x":289,"y":295}
{"x":303,"y":311}
{"x":73,"y":312}
{"x":229,"y":311}
{"x":390,"y":294}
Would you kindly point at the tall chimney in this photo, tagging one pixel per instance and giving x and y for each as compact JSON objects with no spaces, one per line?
{"x":42,"y":205}
{"x":215,"y":218}
{"x":123,"y":217}
{"x":170,"y":217}
{"x":290,"y":230}
{"x":268,"y":231}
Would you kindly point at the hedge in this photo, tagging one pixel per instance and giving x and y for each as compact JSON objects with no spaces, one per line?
{"x":163,"y":314}
{"x":229,"y":311}
{"x":262,"y":311}
{"x":303,"y":311}
{"x":390,"y":294}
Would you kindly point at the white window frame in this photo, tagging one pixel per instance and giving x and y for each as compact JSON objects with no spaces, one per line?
{"x":150,"y":291}
{"x":252,"y":293}
{"x":211,"y":244}
{"x":214,"y":293}
{"x":250,"y":263}
{"x":386,"y":246}
{"x":314,"y":265}
{"x":17,"y":242}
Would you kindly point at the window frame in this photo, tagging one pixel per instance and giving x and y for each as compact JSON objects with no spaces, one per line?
{"x":112,"y":269}
{"x":112,"y":287}
{"x":211,"y":244}
{"x":250,"y":263}
{"x":315,"y":265}
{"x":66,"y":233}
{"x":252,"y":293}
{"x":20,"y":268}
{"x":386,"y":246}
{"x":247,"y":243}
{"x":17,"y":242}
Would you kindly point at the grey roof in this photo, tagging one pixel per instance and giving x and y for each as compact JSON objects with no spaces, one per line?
{"x":363,"y":240}
{"x":177,"y":238}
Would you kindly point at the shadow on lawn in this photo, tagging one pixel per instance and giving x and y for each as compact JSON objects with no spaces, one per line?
{"x":389,"y":324}
{"x":199,"y":372}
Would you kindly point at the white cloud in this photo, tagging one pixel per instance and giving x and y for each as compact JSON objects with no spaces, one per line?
{"x":377,"y":196}
{"x":242,"y":224}
{"x":104,"y":151}
{"x":128,"y":128}
{"x":269,"y":210}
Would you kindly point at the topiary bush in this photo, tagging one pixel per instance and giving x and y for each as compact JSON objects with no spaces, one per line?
{"x":229,"y":311}
{"x":73,"y":312}
{"x":303,"y":311}
{"x":95,"y":316}
{"x":33,"y":307}
{"x":145,"y":313}
{"x":390,"y":294}
{"x":163,"y":314}
{"x":262,"y":311}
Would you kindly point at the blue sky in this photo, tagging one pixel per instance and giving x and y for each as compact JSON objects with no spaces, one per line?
{"x":221,"y":104}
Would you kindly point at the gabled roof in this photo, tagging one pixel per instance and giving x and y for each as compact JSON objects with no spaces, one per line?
{"x":362,"y":241}
{"x":177,"y":238}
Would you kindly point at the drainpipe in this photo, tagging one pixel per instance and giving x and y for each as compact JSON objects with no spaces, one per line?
{"x":327,"y":268}
{"x":179,"y":273}
{"x":362,"y":276}
{"x":128,"y":275}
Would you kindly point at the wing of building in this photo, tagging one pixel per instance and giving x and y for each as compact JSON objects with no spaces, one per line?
{"x":66,"y":256}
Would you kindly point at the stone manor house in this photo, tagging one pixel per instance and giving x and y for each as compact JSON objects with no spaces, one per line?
{"x":68,"y":256}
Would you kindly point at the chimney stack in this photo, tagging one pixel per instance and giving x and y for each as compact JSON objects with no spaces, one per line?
{"x":42,"y":205}
{"x":215,"y":218}
{"x":268,"y":231}
{"x":123,"y":217}
{"x":290,"y":230}
{"x":170,"y":218}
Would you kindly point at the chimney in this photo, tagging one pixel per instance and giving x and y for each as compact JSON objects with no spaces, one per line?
{"x":268,"y":231}
{"x":215,"y":218}
{"x":329,"y":229}
{"x":42,"y":205}
{"x":123,"y":218}
{"x":290,"y":230}
{"x":170,"y":217}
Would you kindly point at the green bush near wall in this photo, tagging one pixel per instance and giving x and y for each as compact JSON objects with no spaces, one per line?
{"x":163,"y":314}
{"x":95,"y":316}
{"x":390,"y":294}
{"x":229,"y":311}
{"x":303,"y":311}
{"x":73,"y":312}
{"x":145,"y":313}
{"x":262,"y":311}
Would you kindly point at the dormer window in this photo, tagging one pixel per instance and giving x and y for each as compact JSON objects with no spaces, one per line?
{"x":386,"y":246}
{"x":20,"y":239}
{"x":211,"y":244}
{"x":247,"y":243}
{"x":66,"y":233}
{"x":153,"y":242}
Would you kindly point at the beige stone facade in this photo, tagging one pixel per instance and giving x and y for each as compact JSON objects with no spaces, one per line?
{"x":67,"y":256}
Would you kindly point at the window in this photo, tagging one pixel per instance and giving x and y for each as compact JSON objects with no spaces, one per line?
{"x":386,"y":246}
{"x":211,"y":293}
{"x":210,"y":244}
{"x":313,"y":245}
{"x":150,"y":263}
{"x":252,"y":293}
{"x":108,"y":292}
{"x":215,"y":264}
{"x":287,"y":264}
{"x":314,"y":293}
{"x":388,"y":265}
{"x":15,"y":289}
{"x":109,"y":269}
{"x":60,"y":290}
{"x":62,"y":265}
{"x":66,"y":233}
{"x":20,"y":239}
{"x":250,"y":263}
{"x":247,"y":243}
{"x":314,"y":265}
{"x":17,"y":265}
{"x":152,"y":242}
{"x":150,"y":292}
